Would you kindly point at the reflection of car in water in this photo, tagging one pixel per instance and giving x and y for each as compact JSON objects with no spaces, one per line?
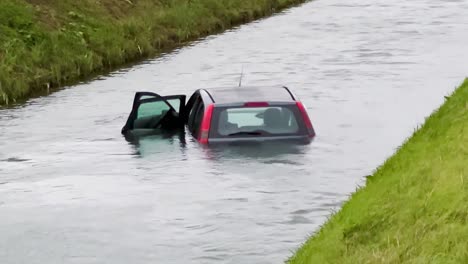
{"x":224,"y":115}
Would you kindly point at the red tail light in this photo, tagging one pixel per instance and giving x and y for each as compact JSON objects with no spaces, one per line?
{"x":256,"y":104}
{"x":205,"y":125}
{"x":306,"y":119}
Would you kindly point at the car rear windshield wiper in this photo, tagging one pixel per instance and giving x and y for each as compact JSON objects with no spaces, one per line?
{"x":247,"y":133}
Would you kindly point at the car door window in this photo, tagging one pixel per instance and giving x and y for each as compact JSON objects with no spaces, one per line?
{"x":150,"y":111}
{"x":151,"y":108}
{"x":198,"y":119}
{"x":192,"y":113}
{"x":177,"y":102}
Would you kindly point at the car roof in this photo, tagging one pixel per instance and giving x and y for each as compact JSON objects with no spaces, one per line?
{"x":241,"y":94}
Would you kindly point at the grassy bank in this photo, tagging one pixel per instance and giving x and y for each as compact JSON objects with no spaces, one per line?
{"x":414,"y":209}
{"x":48,"y":43}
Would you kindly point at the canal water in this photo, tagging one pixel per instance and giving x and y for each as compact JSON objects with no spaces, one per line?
{"x":73,"y":190}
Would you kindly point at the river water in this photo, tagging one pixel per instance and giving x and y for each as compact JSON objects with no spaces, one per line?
{"x":72,"y":190}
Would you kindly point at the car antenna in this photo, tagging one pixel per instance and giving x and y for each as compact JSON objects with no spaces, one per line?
{"x":242,"y":75}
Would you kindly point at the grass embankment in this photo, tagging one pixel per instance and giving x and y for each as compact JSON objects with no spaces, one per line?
{"x":414,"y":209}
{"x":48,"y":43}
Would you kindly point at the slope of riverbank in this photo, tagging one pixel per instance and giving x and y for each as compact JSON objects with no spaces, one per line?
{"x":45,"y":43}
{"x":414,"y":209}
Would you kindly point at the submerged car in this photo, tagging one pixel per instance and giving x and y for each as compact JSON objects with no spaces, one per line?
{"x":220,"y":115}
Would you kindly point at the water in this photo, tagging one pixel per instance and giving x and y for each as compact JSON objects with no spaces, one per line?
{"x":72,"y":190}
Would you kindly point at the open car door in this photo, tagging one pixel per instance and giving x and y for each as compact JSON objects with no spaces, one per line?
{"x":152,"y":111}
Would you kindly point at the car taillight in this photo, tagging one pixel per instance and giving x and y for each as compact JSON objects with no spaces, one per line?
{"x":256,"y":104}
{"x":305,"y":117}
{"x":205,"y":125}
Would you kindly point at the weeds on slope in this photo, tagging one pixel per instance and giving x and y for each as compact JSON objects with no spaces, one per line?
{"x":414,"y":209}
{"x":47,"y":43}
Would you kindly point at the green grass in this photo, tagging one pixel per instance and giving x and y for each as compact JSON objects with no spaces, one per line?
{"x":48,"y":43}
{"x":414,"y":209}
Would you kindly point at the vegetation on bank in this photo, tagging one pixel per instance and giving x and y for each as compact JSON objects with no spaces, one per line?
{"x":414,"y":209}
{"x":48,"y":43}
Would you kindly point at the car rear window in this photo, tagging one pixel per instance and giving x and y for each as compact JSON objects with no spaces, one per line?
{"x":256,"y":121}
